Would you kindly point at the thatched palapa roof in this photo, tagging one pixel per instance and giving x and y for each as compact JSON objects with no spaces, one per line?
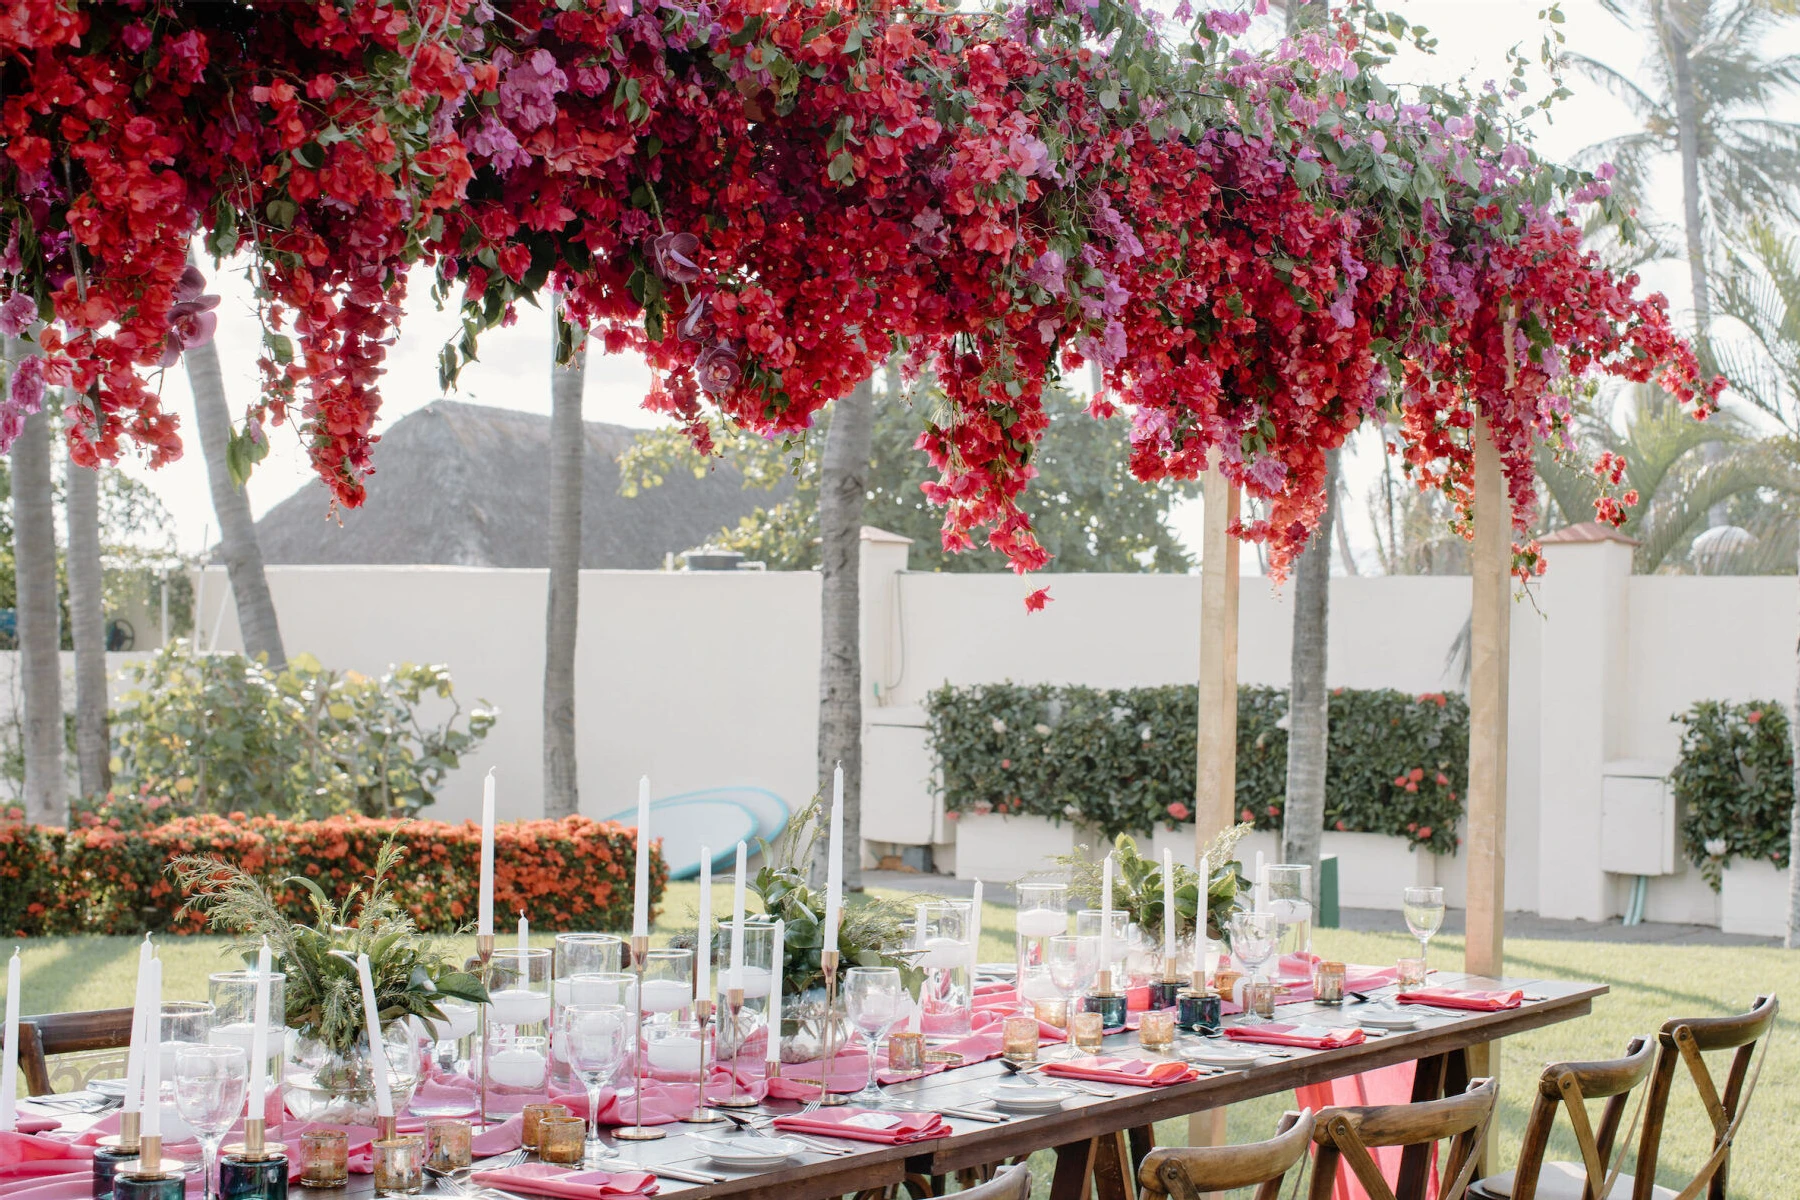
{"x":466,"y":484}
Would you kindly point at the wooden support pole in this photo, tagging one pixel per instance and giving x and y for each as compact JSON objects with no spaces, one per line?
{"x":1215,"y":783}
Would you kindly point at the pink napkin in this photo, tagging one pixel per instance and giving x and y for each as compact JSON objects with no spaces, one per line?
{"x":25,"y":1124}
{"x":663,"y":1103}
{"x":31,"y":1154}
{"x":989,"y":1017}
{"x":1444,"y":997}
{"x":1289,"y":1035}
{"x":1134,"y":1071}
{"x":867,"y":1125}
{"x":546,"y":1179}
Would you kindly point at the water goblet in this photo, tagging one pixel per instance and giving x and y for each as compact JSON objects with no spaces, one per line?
{"x":210,"y":1085}
{"x":594,"y":1036}
{"x":874,"y":1001}
{"x":1423,"y":908}
{"x":1074,"y":961}
{"x":1253,"y":941}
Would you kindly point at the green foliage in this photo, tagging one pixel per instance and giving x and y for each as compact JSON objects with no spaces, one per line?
{"x":409,"y":970}
{"x":1734,"y":784}
{"x":1138,"y":884}
{"x":1084,"y":505}
{"x":224,"y":733}
{"x":867,"y":926}
{"x":1123,"y":760}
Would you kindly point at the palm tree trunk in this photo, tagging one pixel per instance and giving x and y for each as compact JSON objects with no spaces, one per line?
{"x":237,"y":528}
{"x":40,"y":632}
{"x":1303,"y":820}
{"x":843,"y":488}
{"x":87,"y":629}
{"x":568,"y":443}
{"x":1793,"y":926}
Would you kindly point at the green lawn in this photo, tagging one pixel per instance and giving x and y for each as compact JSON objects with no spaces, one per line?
{"x":1649,"y":984}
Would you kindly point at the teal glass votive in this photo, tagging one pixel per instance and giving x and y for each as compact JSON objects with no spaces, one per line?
{"x":1110,"y":1006}
{"x":1198,"y":1011}
{"x":107,"y":1160}
{"x":170,"y":1186}
{"x":243,"y":1178}
{"x":1165,"y":993}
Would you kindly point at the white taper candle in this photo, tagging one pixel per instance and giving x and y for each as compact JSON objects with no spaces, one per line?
{"x":255,"y":1101}
{"x":736,"y":978}
{"x":640,"y":901}
{"x":484,"y":923}
{"x":775,"y":978}
{"x":703,"y":940}
{"x":384,"y":1097}
{"x":134,"y":1059}
{"x":834,"y":862}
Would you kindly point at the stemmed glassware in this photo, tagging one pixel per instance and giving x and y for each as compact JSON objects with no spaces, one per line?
{"x":1074,"y":961}
{"x":210,"y":1083}
{"x":1423,"y":908}
{"x":874,"y":1001}
{"x":595,"y":1036}
{"x":1253,"y":941}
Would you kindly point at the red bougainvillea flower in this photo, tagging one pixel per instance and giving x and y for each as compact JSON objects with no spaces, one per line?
{"x":1180,"y":811}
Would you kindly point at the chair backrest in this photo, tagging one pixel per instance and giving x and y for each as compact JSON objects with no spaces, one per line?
{"x":69,"y":1049}
{"x":1187,"y":1172}
{"x":1569,"y":1085}
{"x":1014,"y":1183}
{"x":1346,"y":1134}
{"x":1682,"y":1041}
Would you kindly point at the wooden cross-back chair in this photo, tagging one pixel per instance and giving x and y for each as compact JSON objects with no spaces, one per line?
{"x":1682,"y":1041}
{"x":1569,"y":1086}
{"x":1346,"y":1135}
{"x":69,"y":1049}
{"x":1188,"y":1172}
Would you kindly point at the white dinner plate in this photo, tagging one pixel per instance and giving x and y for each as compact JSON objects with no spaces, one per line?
{"x":1384,"y":1018}
{"x":755,"y":1153}
{"x":1225,"y":1056}
{"x":1027,"y":1097}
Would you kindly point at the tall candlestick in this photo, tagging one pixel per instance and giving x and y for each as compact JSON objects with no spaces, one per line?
{"x":524,"y":939}
{"x":9,"y":1072}
{"x":703,"y":942}
{"x":484,"y":924}
{"x":1106,"y":917}
{"x":1168,"y":909}
{"x":834,"y":862}
{"x":640,"y":902}
{"x":384,"y":1098}
{"x":152,"y":1126}
{"x":737,"y":920}
{"x":775,"y":977}
{"x":974,"y":939}
{"x":256,"y":1103}
{"x":1259,"y":889}
{"x":134,"y":1059}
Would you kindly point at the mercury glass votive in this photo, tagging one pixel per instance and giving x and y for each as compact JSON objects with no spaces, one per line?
{"x":399,"y":1166}
{"x":1259,"y":998}
{"x":1019,"y":1039}
{"x":1330,"y":983}
{"x":324,"y":1158}
{"x":449,"y":1143}
{"x":534,"y":1116}
{"x":1156,"y":1028}
{"x":1085,"y":1031}
{"x":906,"y":1051}
{"x":562,"y":1139}
{"x":1412,"y":973}
{"x":1051,"y":1010}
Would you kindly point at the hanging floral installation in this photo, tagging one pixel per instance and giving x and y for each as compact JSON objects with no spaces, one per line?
{"x":1261,"y":248}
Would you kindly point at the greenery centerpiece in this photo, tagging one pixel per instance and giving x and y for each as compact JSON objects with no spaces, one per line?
{"x":328,"y":1077}
{"x":1138,"y":884}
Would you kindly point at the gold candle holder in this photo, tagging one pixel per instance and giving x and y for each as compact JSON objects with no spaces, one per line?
{"x":1085,"y":1031}
{"x":484,"y":953}
{"x":702,"y":1115}
{"x":1156,"y":1028}
{"x":734,"y":1004}
{"x":324,"y":1158}
{"x":828,"y":963}
{"x":126,"y":1139}
{"x":449,"y":1143}
{"x":400,"y":1166}
{"x":534,"y":1114}
{"x":562,"y":1140}
{"x":637,"y":1131}
{"x":1019,"y":1038}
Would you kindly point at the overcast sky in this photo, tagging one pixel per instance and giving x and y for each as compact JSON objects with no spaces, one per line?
{"x":514,"y":372}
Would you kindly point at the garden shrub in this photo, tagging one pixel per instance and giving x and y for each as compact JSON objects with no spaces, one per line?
{"x":1123,"y":759}
{"x":225,"y":733}
{"x":105,"y":877}
{"x":1734,"y":784}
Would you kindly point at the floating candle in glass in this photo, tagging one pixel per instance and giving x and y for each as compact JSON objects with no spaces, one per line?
{"x":521,"y":1065}
{"x":519,"y":1006}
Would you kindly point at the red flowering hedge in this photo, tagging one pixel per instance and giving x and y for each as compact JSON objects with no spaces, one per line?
{"x":571,"y":873}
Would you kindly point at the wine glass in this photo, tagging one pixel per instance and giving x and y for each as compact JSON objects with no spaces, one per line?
{"x":210,"y":1083}
{"x":874,"y":1000}
{"x":1423,"y":908}
{"x":1253,"y":941}
{"x":1074,"y":966}
{"x":595,"y":1036}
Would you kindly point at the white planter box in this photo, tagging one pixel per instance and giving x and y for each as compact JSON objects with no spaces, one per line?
{"x":1754,"y":899}
{"x":1000,"y":849}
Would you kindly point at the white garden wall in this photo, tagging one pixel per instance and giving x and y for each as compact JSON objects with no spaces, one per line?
{"x":711,"y":679}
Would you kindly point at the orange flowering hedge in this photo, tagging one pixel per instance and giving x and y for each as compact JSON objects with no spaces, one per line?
{"x":571,"y":873}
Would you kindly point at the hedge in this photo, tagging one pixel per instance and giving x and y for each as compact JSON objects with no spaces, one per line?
{"x":1734,"y":784}
{"x":104,"y":876}
{"x":1123,"y":759}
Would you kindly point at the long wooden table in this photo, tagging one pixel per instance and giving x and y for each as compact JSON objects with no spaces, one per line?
{"x":1098,"y":1141}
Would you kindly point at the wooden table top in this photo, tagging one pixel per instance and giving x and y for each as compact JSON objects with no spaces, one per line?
{"x":972,"y":1143}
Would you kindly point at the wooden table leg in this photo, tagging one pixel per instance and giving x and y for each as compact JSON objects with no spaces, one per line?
{"x":1074,"y":1172}
{"x":1113,"y":1175}
{"x":1143,"y":1141}
{"x":1415,"y":1161}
